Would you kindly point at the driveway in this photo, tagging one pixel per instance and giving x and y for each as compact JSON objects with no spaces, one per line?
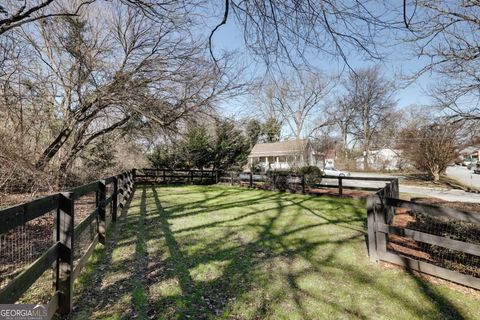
{"x":464,"y":175}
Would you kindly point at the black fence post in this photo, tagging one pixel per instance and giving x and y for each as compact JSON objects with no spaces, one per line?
{"x":372,"y":247}
{"x":303,"y":184}
{"x":274,"y":181}
{"x":102,"y":226}
{"x":191,"y":176}
{"x":251,"y":179}
{"x":115,"y":199}
{"x":64,"y":265}
{"x":340,"y":185}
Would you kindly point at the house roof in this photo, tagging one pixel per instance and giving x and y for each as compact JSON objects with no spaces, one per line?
{"x":469,"y":150}
{"x":281,"y":148}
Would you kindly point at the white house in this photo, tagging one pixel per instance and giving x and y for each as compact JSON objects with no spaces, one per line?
{"x":283,"y":155}
{"x":382,"y":159}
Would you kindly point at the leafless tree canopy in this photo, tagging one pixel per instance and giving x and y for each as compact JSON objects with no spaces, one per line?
{"x":289,"y":31}
{"x":299,"y":101}
{"x":68,"y":80}
{"x":367,"y":109}
{"x":430,"y":147}
{"x":446,"y":33}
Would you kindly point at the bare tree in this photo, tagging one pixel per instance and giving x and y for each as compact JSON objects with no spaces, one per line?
{"x":96,"y":73}
{"x":431,"y":147}
{"x":342,"y":115}
{"x":370,"y":95}
{"x":299,"y":100}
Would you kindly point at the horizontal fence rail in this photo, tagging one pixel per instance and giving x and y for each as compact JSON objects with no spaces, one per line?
{"x":59,"y":257}
{"x":424,"y":236}
{"x":303,"y":183}
{"x":296,"y":182}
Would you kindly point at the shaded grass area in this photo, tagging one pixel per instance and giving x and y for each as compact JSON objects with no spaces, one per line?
{"x":212,"y":252}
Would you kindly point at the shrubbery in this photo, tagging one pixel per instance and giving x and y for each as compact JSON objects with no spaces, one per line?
{"x":313,"y":175}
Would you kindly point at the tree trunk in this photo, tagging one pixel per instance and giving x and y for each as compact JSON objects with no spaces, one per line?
{"x":366,"y":135}
{"x":53,"y":148}
{"x":435,"y":173}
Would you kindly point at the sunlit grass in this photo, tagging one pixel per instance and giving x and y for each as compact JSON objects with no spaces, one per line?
{"x":215,"y":252}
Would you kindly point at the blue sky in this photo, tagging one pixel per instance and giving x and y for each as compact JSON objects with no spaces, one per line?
{"x":228,"y":37}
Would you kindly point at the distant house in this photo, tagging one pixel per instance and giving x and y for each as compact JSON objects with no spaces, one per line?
{"x":328,"y":158}
{"x":470,"y":154}
{"x":382,"y":159}
{"x":282,"y":156}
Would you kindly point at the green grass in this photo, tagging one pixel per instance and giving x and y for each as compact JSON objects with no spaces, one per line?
{"x":200,"y":252}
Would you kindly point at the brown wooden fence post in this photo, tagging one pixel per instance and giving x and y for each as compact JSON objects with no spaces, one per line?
{"x":251,"y":179}
{"x":340,"y":185}
{"x":231,"y":178}
{"x":64,"y":265}
{"x":164,"y":178}
{"x":102,"y":226}
{"x":115,"y":199}
{"x":216,"y":176}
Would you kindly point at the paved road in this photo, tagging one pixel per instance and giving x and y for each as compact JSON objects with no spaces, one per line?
{"x":464,"y":175}
{"x":441,"y":193}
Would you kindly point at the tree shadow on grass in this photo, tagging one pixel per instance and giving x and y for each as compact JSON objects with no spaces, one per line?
{"x":206,"y":299}
{"x":255,"y":253}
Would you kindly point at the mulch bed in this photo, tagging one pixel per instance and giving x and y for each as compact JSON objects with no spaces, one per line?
{"x":458,"y":261}
{"x":22,"y":245}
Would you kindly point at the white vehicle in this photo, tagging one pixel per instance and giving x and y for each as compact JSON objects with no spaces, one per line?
{"x":331,"y":171}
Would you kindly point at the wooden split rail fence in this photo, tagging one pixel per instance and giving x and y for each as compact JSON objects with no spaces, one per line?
{"x":60,"y":254}
{"x":169,"y":176}
{"x":299,"y":181}
{"x":381,"y":208}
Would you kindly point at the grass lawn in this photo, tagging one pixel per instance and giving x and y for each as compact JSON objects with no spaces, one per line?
{"x":213,"y":252}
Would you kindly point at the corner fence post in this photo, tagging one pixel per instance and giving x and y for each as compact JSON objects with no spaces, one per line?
{"x":102,"y":226}
{"x":115,"y":199}
{"x":371,"y":226}
{"x":64,"y":265}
